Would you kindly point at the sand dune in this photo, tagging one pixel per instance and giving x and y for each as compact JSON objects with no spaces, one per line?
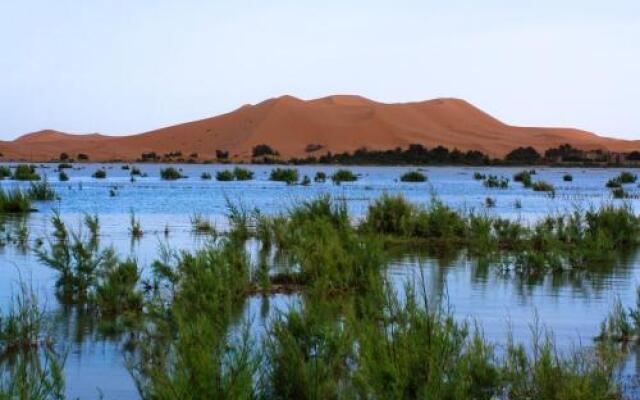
{"x":337,"y":123}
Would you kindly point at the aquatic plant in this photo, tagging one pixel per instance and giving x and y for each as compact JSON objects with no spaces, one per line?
{"x":117,"y":291}
{"x":22,"y":328}
{"x":524,"y":177}
{"x":224,"y":175}
{"x":494,"y":181}
{"x":287,"y":175}
{"x":63,"y":177}
{"x":567,"y":178}
{"x":135,"y":171}
{"x":242,"y":174}
{"x":14,"y":201}
{"x":479,"y":176}
{"x":5,"y":172}
{"x":24,"y":172}
{"x":542,"y":186}
{"x":614,"y":183}
{"x":490,"y":202}
{"x":41,"y":191}
{"x":135,"y":228}
{"x":343,"y":175}
{"x":170,"y":174}
{"x":239,"y":220}
{"x":202,"y":225}
{"x":413,"y":176}
{"x":306,"y":181}
{"x":100,"y":174}
{"x":320,"y":177}
{"x":627,"y":177}
{"x":205,"y":176}
{"x":65,"y":165}
{"x":619,"y":193}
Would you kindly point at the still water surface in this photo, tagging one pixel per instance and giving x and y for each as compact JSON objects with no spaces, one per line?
{"x":571,"y":304}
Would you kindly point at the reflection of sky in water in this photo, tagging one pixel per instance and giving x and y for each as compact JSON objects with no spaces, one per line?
{"x":572,"y":305}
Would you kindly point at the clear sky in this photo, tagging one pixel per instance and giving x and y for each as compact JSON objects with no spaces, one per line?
{"x":125,"y":66}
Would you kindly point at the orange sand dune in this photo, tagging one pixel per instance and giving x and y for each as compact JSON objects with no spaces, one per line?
{"x":338,"y":123}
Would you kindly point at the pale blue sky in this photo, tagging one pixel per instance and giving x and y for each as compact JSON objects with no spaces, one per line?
{"x":125,"y":66}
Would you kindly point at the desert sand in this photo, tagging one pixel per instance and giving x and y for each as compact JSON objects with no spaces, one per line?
{"x":337,"y":123}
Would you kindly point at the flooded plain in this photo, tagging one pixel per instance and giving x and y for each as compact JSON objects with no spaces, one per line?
{"x":572,"y":304}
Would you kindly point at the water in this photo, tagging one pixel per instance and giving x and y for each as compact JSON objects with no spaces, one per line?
{"x":571,"y":304}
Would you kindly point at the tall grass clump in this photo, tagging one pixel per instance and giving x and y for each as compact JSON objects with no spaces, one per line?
{"x":413,"y":176}
{"x":542,"y":186}
{"x":287,"y":175}
{"x":170,"y":174}
{"x":627,"y":177}
{"x":343,"y":175}
{"x":479,"y":176}
{"x":190,"y":353}
{"x":41,"y":191}
{"x":5,"y":172}
{"x":29,"y":368}
{"x":524,"y":177}
{"x":14,"y":201}
{"x":496,"y":182}
{"x":320,"y":177}
{"x":135,"y":228}
{"x":24,"y":172}
{"x":202,"y":225}
{"x":242,"y":174}
{"x":224,"y":176}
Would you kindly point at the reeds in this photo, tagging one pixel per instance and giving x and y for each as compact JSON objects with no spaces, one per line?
{"x":170,"y":174}
{"x":41,"y":191}
{"x":24,"y":172}
{"x":14,"y":201}
{"x":343,"y":175}
{"x":287,"y":175}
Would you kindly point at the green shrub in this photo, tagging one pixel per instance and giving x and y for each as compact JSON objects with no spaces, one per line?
{"x":242,"y":174}
{"x":24,"y":172}
{"x":224,"y":175}
{"x":343,"y":175}
{"x":413,"y":176}
{"x":479,"y":176}
{"x":542,"y":186}
{"x":524,"y":177}
{"x":170,"y":174}
{"x":614,"y":183}
{"x":5,"y":172}
{"x":627,"y":177}
{"x":493,"y":181}
{"x":320,"y":177}
{"x":288,"y":175}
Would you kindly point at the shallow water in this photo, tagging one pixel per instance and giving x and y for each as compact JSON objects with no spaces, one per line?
{"x":572,"y":305}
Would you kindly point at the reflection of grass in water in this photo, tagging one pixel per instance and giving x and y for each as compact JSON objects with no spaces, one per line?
{"x":353,"y":337}
{"x":29,"y":368}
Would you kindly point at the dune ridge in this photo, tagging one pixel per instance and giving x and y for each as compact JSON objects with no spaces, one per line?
{"x":338,"y":123}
